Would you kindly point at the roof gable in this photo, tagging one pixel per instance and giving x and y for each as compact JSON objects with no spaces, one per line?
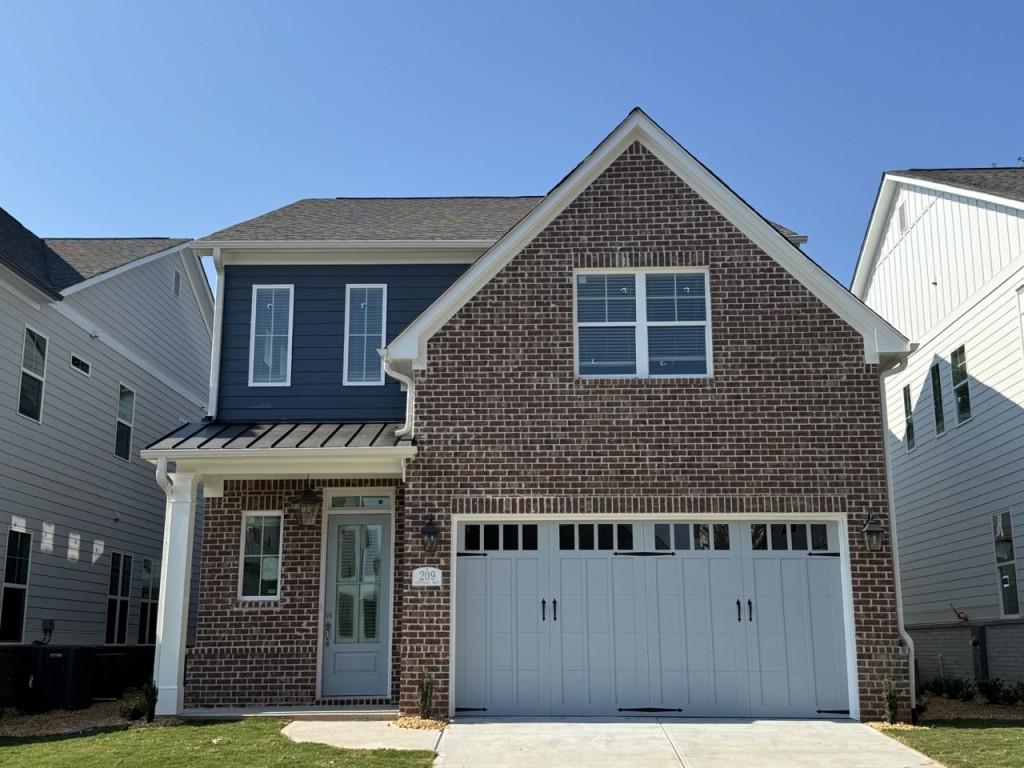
{"x":409,"y":349}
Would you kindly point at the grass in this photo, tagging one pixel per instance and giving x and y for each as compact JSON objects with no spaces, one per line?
{"x":968,"y":743}
{"x":251,"y":743}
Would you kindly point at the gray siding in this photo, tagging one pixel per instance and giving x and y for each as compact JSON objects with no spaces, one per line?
{"x":943,"y":652}
{"x":1005,"y":657}
{"x":316,"y":390}
{"x":60,"y":479}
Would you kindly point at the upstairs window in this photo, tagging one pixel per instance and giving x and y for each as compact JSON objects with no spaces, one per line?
{"x":908,"y":417}
{"x":119,"y":593}
{"x":270,"y":336}
{"x":33,"y":375}
{"x":15,"y":590}
{"x":652,"y":324}
{"x":961,"y":388}
{"x":940,"y":411}
{"x":365,"y":318}
{"x":125,"y":423}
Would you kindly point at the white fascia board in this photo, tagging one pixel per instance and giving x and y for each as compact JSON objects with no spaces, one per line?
{"x":200,"y":286}
{"x":270,"y":462}
{"x":951,"y":189}
{"x":344,"y":251}
{"x":23,"y":289}
{"x":121,"y":269}
{"x":880,"y":337}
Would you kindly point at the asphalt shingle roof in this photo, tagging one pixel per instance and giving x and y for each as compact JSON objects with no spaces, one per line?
{"x":85,"y":257}
{"x":1004,"y":182}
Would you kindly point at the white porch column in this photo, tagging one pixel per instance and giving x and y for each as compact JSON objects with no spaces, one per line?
{"x":175,"y":587}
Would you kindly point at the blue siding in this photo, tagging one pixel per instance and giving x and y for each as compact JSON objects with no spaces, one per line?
{"x":316,"y":391}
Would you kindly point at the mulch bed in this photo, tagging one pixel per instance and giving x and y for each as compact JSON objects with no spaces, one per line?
{"x":103,"y":714}
{"x":938,"y":708}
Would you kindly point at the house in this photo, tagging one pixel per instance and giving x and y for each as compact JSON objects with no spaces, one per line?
{"x":86,"y":380}
{"x":613,"y":450}
{"x":943,"y":261}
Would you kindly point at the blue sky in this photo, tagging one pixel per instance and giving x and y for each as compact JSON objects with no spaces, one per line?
{"x":178,"y":119}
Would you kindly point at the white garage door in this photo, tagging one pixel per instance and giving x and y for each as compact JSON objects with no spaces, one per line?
{"x":645,"y":617}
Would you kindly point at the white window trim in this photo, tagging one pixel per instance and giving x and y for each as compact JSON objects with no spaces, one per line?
{"x":1013,"y":563}
{"x":291,"y":332}
{"x":119,"y":420}
{"x":965,"y":383}
{"x":384,"y":332}
{"x":42,"y":379}
{"x":28,"y":577}
{"x":71,"y":364}
{"x":241,"y":556}
{"x":153,"y":599}
{"x":641,"y":323}
{"x":126,"y":599}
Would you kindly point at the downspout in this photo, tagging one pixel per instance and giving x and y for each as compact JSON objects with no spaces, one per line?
{"x":898,"y":368}
{"x":410,"y":399}
{"x":161,"y":476}
{"x":218,"y":325}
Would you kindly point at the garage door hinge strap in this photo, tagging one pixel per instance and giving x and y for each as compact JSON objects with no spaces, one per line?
{"x":833,"y":711}
{"x":471,"y":554}
{"x":471,"y":709}
{"x":823,"y":554}
{"x":650,"y":709}
{"x":645,"y":554}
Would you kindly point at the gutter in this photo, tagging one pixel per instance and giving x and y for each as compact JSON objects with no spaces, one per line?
{"x":410,"y":393}
{"x":900,"y":624}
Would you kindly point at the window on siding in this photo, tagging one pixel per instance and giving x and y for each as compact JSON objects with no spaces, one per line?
{"x":119,"y":593}
{"x":177,"y":283}
{"x":365,"y":318}
{"x":261,"y":556}
{"x":961,"y":387}
{"x":148,"y":601}
{"x":15,"y":591}
{"x":901,"y":214}
{"x":646,"y":324}
{"x":125,"y":423}
{"x":1005,"y":564}
{"x":80,"y":365}
{"x":937,"y":404}
{"x":33,"y":375}
{"x":270,"y":336}
{"x":908,"y":417}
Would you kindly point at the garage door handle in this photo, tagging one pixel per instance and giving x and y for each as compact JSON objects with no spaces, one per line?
{"x":543,"y":606}
{"x":554,"y":610}
{"x":750,"y":610}
{"x":739,"y":611}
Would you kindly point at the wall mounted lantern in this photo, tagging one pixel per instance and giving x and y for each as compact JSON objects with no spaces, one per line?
{"x":308,"y":505}
{"x":872,"y":531}
{"x":430,"y":532}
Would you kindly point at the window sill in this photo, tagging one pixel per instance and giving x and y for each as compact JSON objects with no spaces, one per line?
{"x":702,"y":377}
{"x":285,"y":384}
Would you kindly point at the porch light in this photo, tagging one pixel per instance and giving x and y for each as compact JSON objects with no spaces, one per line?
{"x":872,"y":531}
{"x":430,"y":532}
{"x":308,"y":504}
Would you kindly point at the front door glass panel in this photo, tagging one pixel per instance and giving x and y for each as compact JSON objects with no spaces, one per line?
{"x":358,"y":582}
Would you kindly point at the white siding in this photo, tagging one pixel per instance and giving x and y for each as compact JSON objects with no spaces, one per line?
{"x":953,"y":247}
{"x":61,"y":476}
{"x":948,"y":488}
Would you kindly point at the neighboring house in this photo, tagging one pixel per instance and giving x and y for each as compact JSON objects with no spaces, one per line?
{"x":943,"y":261}
{"x":617,"y":456}
{"x":104,"y":345}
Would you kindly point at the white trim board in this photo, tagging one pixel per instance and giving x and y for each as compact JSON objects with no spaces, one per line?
{"x":880,"y":338}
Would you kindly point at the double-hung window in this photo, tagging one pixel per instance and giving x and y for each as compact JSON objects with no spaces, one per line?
{"x":33,"y":375}
{"x":961,"y":387}
{"x":148,"y":601}
{"x":365,"y":318}
{"x":937,"y":405}
{"x":125,"y":423}
{"x":270,"y":336}
{"x":15,"y":590}
{"x":1006,"y":566}
{"x":908,"y":418}
{"x":647,"y":324}
{"x":119,"y":598}
{"x":260,"y":578}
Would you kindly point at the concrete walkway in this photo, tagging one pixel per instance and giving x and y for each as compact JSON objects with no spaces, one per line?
{"x":639,"y":742}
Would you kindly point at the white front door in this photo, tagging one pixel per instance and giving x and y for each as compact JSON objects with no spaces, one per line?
{"x":356,"y":629}
{"x":685,"y":618}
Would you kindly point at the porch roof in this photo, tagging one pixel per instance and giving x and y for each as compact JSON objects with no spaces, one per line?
{"x":304,"y":435}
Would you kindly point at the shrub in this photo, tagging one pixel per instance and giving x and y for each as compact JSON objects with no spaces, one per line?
{"x":998,"y":692}
{"x":426,"y":691}
{"x":133,"y":705}
{"x":892,"y":700}
{"x":149,"y":694}
{"x":950,"y":688}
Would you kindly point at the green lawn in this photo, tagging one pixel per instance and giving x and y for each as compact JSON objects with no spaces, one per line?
{"x":241,"y":744}
{"x":969,"y":743}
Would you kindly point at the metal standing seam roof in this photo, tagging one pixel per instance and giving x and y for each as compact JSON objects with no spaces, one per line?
{"x":305,"y":435}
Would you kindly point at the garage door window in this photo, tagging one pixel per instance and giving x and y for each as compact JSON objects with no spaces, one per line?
{"x":591,"y":536}
{"x":492,"y":537}
{"x":685,"y":536}
{"x":794,"y":536}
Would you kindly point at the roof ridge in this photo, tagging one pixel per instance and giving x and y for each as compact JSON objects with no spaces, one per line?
{"x":429,"y":197}
{"x":140,"y":237}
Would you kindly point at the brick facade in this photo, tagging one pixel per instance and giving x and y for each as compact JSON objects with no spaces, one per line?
{"x":789,"y":422}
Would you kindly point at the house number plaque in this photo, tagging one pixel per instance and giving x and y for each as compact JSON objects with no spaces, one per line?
{"x":426,"y":577}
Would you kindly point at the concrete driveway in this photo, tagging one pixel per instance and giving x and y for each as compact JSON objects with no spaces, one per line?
{"x":653,"y":743}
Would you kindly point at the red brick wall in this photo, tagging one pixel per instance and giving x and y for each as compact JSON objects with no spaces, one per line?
{"x":254,"y":654}
{"x":791,"y":416}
